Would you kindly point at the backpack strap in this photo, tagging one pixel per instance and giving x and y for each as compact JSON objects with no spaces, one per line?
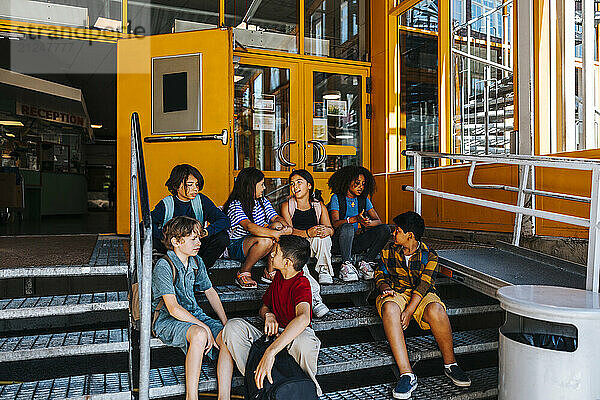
{"x":343,"y":206}
{"x":362,"y":204}
{"x":197,"y":207}
{"x":161,"y":302}
{"x":292,"y":205}
{"x":317,"y":206}
{"x":169,"y":209}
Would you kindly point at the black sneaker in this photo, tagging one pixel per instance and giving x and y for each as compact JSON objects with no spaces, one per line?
{"x":457,"y":376}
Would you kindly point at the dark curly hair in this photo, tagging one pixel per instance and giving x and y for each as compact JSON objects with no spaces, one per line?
{"x":179,"y":175}
{"x":340,"y":181}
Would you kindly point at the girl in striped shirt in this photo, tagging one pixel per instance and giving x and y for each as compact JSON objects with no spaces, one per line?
{"x":255,"y":225}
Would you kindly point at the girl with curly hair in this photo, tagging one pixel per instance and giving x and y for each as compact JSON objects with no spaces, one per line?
{"x":357,"y":225}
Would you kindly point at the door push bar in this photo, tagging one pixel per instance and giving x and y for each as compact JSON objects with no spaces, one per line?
{"x":322,"y":152}
{"x":223,"y":137}
{"x":285,"y":162}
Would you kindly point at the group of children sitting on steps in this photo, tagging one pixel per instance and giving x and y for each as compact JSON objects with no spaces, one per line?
{"x":250,"y":229}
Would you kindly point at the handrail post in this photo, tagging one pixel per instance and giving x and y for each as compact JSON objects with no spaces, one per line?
{"x":593,"y":259}
{"x":521,"y":203}
{"x":417,"y":183}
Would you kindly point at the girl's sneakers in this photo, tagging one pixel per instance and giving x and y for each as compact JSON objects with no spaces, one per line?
{"x":325,"y":277}
{"x":365,"y":269}
{"x":348,"y":272}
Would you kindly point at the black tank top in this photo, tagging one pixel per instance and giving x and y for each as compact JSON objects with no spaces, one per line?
{"x":304,"y":220}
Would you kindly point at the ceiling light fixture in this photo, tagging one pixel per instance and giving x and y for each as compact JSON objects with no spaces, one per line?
{"x":237,"y":78}
{"x":108,"y":24}
{"x":96,"y":126}
{"x":11,"y":123}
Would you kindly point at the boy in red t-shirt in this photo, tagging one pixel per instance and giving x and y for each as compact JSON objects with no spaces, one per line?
{"x":287,"y":314}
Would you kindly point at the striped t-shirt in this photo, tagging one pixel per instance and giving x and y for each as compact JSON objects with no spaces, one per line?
{"x":262,"y":214}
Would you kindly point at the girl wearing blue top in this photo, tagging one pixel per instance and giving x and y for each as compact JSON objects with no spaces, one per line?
{"x":357,"y":225}
{"x":178,"y":319}
{"x":255,"y":225}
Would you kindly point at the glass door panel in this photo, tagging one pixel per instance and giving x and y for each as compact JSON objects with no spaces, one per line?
{"x":262,"y":126}
{"x":334,"y":130}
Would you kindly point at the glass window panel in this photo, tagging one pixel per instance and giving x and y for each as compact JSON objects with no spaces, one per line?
{"x":337,"y":120}
{"x":483,"y":108}
{"x":337,"y":28}
{"x":76,"y":13}
{"x":166,"y":16}
{"x":264,"y":24}
{"x":418,"y":117}
{"x":261,"y":117}
{"x":277,"y":190}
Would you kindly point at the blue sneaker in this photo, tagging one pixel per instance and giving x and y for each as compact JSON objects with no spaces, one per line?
{"x":405,"y":386}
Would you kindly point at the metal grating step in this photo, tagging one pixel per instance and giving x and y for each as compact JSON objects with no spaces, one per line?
{"x":484,"y":386}
{"x":108,"y":258}
{"x":113,"y":386}
{"x":70,"y":344}
{"x":36,"y":307}
{"x":230,"y":293}
{"x":169,"y":381}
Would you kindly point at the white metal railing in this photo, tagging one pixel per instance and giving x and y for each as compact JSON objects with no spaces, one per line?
{"x":140,"y":256}
{"x":527,"y":165}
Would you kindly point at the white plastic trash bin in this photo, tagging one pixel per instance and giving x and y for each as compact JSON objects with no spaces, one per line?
{"x":549,"y":345}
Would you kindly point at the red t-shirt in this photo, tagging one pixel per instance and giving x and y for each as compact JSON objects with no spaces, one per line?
{"x":283,"y":295}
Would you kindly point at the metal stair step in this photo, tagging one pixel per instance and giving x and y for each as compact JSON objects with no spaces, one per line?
{"x":112,"y":386}
{"x":21,"y":348}
{"x":36,"y":307}
{"x":484,"y":386}
{"x":108,"y":258}
{"x":169,"y":381}
{"x":231,"y":293}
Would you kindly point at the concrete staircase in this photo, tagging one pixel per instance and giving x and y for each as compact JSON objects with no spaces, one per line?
{"x":353,"y":348}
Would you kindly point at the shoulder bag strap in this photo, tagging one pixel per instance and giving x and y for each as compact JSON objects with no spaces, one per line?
{"x":169,"y":208}
{"x":161,"y":303}
{"x":197,"y":207}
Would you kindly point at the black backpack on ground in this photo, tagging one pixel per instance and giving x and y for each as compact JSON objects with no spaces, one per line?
{"x":290,"y":382}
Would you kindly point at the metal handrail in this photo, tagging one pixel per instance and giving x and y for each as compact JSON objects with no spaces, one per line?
{"x":140,"y":256}
{"x":526,"y":186}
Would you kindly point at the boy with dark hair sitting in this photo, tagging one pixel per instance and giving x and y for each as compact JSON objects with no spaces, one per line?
{"x":185,"y":184}
{"x":405,"y":279}
{"x":286,"y":312}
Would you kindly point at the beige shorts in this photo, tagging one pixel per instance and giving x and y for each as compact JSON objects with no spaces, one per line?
{"x":402,"y":299}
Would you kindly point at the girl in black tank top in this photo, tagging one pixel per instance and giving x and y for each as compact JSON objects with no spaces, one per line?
{"x":304,"y":220}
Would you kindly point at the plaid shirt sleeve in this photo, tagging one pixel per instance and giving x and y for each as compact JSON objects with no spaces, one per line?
{"x":381,"y":272}
{"x":427,"y":274}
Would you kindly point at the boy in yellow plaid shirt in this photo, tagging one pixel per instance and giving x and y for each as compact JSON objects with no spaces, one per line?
{"x":405,"y":279}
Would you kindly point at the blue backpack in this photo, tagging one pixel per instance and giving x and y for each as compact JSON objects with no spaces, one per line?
{"x":169,"y":203}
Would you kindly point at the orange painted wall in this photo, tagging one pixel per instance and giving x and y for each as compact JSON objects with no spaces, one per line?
{"x":451,"y":214}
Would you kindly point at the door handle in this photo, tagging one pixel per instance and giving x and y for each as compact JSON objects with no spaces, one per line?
{"x":322,"y":153}
{"x":281,"y":157}
{"x":223,"y":137}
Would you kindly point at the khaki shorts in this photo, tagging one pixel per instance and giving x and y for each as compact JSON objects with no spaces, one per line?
{"x":402,"y":299}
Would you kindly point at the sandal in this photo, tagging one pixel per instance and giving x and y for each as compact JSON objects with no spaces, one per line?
{"x":267,"y":277}
{"x":245,"y":281}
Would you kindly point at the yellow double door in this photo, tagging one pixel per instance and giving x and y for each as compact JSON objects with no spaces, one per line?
{"x":296,"y":113}
{"x":281,"y":112}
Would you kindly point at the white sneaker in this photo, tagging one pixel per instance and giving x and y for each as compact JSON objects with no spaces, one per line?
{"x":325,"y":277}
{"x":348,"y":272}
{"x":319,"y":309}
{"x":365,"y":270}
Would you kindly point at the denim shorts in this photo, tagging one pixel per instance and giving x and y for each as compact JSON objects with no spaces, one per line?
{"x":236,"y":249}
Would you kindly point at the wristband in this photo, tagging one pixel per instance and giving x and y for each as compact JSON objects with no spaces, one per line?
{"x":348,"y":220}
{"x":307,"y":233}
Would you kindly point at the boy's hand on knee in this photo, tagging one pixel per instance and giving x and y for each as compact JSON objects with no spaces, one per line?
{"x":405,"y":318}
{"x":210,"y":341}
